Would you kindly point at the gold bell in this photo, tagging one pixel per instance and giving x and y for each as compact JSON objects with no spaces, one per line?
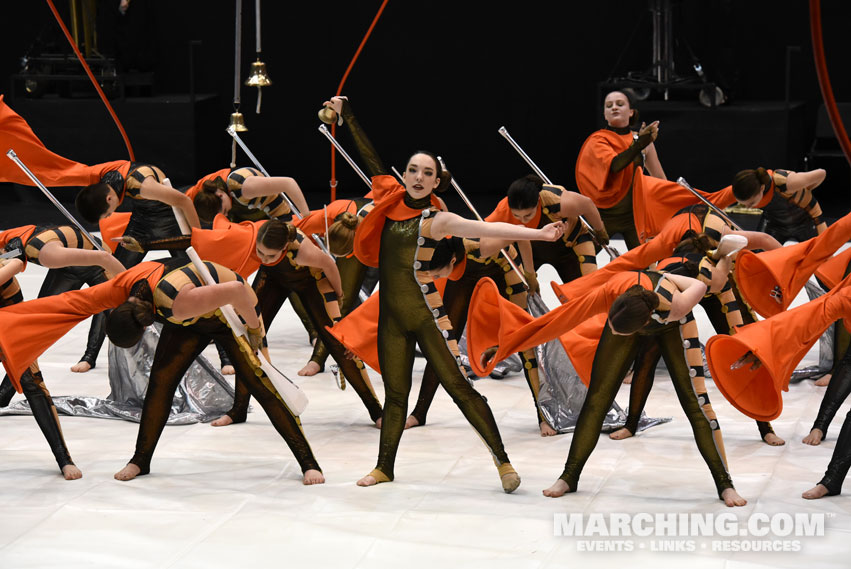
{"x":258,"y":76}
{"x":237,"y":122}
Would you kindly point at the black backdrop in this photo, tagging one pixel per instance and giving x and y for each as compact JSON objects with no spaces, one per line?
{"x":445,"y":75}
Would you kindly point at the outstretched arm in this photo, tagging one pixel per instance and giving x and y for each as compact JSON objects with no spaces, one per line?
{"x":446,"y":223}
{"x":153,"y":190}
{"x":194,"y":301}
{"x":54,"y":255}
{"x":255,"y":186}
{"x":374,"y":166}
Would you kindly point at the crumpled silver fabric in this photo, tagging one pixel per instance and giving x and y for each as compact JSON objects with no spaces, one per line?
{"x":562,"y":392}
{"x":825,"y":344}
{"x":202,"y":395}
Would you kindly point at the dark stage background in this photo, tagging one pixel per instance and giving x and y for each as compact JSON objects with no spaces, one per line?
{"x":442,"y":76}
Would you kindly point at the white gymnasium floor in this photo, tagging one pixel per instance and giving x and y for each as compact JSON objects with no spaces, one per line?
{"x":232,"y":497}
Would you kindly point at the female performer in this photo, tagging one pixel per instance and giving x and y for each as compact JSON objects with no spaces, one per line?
{"x":481,"y":258}
{"x":172,"y":293}
{"x":786,"y":200}
{"x":287,"y":263}
{"x":399,"y":236}
{"x":640,"y":303}
{"x":533,"y":204}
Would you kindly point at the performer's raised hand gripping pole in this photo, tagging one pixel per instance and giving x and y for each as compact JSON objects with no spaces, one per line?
{"x":294,"y":397}
{"x":504,"y":132}
{"x":14,"y":158}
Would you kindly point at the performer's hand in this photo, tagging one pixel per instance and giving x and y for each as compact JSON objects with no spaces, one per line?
{"x":129,"y":243}
{"x":652,"y":129}
{"x":332,"y":111}
{"x":748,"y":358}
{"x":532,"y":281}
{"x":601,"y":236}
{"x":255,"y":337}
{"x":552,"y":231}
{"x":488,"y":355}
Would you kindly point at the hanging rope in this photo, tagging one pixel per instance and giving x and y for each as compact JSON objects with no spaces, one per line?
{"x":93,"y":80}
{"x":824,"y":80}
{"x":340,"y":90}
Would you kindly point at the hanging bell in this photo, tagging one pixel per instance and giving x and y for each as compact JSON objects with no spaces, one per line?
{"x":237,"y":122}
{"x":258,"y":76}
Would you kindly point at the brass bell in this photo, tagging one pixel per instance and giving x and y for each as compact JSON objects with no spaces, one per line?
{"x":237,"y":122}
{"x":258,"y":76}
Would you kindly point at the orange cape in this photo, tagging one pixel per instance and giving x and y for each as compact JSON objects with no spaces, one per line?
{"x":389,"y":198}
{"x":494,"y":321}
{"x":833,"y":270}
{"x":51,"y":169}
{"x":193,"y":191}
{"x":654,"y":201}
{"x":29,"y":328}
{"x":503,"y":213}
{"x":314,"y":222}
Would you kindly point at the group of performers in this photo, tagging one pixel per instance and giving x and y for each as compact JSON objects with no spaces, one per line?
{"x":438,"y":272}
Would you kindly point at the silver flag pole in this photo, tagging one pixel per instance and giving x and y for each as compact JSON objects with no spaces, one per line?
{"x":504,"y":132}
{"x":14,"y":157}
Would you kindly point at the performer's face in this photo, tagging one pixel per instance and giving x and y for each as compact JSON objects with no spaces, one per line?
{"x":616,"y":109}
{"x":524,"y":215}
{"x":752,"y":202}
{"x":227,"y":202}
{"x":444,"y":272}
{"x":268,"y":255}
{"x":420,"y":176}
{"x":112,"y":204}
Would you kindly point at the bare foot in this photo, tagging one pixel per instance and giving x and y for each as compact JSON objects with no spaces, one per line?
{"x":367,"y":480}
{"x":546,"y":430}
{"x":129,"y":472}
{"x":628,"y":378}
{"x":222,"y":421}
{"x":228,"y":370}
{"x":560,"y":488}
{"x":620,"y":434}
{"x":823,"y":381}
{"x":814,"y":438}
{"x":81,"y":367}
{"x":816,"y":492}
{"x":312,"y":368}
{"x":378,"y":423}
{"x":313,"y":477}
{"x":731,"y":498}
{"x":773,"y":440}
{"x":411,"y":422}
{"x":71,"y":472}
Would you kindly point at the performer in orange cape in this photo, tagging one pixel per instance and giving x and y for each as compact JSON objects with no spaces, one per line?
{"x":610,"y":169}
{"x":640,"y":304}
{"x":170,"y":292}
{"x":401,"y":232}
{"x":287,"y":263}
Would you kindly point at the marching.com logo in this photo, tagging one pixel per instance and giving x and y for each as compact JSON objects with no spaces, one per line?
{"x":689,"y":531}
